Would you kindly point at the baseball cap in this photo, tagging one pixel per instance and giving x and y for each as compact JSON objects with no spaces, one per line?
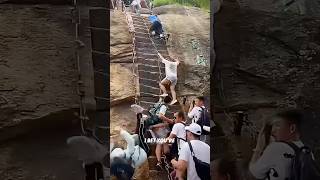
{"x":194,"y":128}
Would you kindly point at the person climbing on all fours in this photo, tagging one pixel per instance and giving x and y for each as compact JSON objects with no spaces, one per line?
{"x":170,"y":79}
{"x":156,"y":28}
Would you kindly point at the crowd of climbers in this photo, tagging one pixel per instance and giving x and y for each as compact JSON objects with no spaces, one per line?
{"x":188,"y":157}
{"x":279,"y":154}
{"x":186,"y":128}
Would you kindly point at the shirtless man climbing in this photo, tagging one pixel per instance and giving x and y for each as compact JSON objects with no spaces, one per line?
{"x":170,"y":79}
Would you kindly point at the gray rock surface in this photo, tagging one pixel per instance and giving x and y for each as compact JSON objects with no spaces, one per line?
{"x":37,"y":62}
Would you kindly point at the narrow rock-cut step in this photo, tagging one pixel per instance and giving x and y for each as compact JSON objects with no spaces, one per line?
{"x":145,"y":67}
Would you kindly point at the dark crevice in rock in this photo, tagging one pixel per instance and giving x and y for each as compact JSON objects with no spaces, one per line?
{"x":52,"y":121}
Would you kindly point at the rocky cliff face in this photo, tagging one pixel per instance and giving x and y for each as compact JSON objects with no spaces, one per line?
{"x":300,"y":7}
{"x":37,"y":63}
{"x":38,"y":91}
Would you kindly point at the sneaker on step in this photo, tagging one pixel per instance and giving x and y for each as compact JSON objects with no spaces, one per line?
{"x":173,"y":102}
{"x":164,"y":95}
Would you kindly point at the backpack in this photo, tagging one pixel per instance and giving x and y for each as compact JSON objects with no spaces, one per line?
{"x":204,"y":120}
{"x":156,"y":108}
{"x":303,"y":166}
{"x":202,"y":168}
{"x":154,"y":119}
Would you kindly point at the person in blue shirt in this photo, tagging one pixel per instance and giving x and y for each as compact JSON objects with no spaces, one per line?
{"x":156,"y":26}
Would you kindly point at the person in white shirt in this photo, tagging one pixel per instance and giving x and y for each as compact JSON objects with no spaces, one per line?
{"x":178,"y":129}
{"x":195,"y":109}
{"x":268,"y":160}
{"x":161,"y":130}
{"x":136,"y":6}
{"x":185,"y":162}
{"x":133,"y":153}
{"x":170,"y":79}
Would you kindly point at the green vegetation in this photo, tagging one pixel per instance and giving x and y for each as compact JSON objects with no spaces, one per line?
{"x":204,"y":4}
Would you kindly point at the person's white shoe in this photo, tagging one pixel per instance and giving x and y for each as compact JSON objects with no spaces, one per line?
{"x":173,"y":102}
{"x":136,"y":108}
{"x":164,"y":95}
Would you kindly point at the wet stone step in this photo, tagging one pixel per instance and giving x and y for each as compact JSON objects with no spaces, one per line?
{"x":143,"y":30}
{"x":149,"y":82}
{"x":147,"y":89}
{"x":143,"y":44}
{"x":140,"y":25}
{"x":149,"y":75}
{"x":149,"y":99}
{"x":141,"y":34}
{"x":147,"y":103}
{"x":147,"y":50}
{"x":151,"y":68}
{"x":153,"y":62}
{"x":137,"y":17}
{"x":145,"y":74}
{"x":145,"y":94}
{"x":146,"y":55}
{"x":153,"y":51}
{"x":144,"y":40}
{"x":161,"y":45}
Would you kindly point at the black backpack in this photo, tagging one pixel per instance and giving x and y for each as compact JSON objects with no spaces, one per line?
{"x":303,"y":166}
{"x":204,"y":120}
{"x":202,"y":168}
{"x":154,"y":119}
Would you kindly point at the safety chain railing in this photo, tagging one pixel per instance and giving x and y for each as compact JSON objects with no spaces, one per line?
{"x":155,"y":47}
{"x":82,"y":108}
{"x":132,"y":30}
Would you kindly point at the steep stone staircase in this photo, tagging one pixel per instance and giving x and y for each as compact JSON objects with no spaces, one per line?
{"x":150,"y":71}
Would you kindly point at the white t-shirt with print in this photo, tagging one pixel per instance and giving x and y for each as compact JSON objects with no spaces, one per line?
{"x":273,"y":158}
{"x":179,"y":130}
{"x":195,"y":113}
{"x":170,"y":68}
{"x":201,"y":151}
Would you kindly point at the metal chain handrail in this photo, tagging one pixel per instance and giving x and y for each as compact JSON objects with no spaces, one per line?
{"x":133,"y":51}
{"x":82,"y":108}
